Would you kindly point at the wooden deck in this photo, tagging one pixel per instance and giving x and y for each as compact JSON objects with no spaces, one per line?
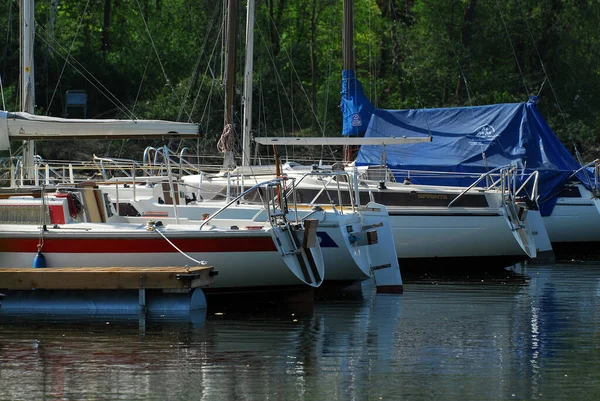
{"x":106,"y":278}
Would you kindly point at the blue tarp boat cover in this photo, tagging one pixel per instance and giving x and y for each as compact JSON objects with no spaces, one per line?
{"x":507,"y":134}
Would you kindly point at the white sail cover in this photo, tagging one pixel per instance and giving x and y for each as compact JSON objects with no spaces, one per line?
{"x":24,"y":126}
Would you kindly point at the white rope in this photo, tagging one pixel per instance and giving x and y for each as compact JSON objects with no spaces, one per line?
{"x":203,"y":262}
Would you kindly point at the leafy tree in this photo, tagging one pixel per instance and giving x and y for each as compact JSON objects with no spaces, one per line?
{"x":163,"y":60}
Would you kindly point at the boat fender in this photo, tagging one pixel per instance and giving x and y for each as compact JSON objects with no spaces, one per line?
{"x":39,"y":261}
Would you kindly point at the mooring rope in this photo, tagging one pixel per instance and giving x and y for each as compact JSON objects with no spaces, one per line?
{"x":200,"y":262}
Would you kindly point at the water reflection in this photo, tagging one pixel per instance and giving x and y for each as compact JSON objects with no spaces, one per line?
{"x":530,"y":333}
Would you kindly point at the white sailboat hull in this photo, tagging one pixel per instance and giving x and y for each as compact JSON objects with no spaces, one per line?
{"x":245,"y":260}
{"x":344,"y":260}
{"x":430,"y":231}
{"x":574,"y":221}
{"x":422,"y":234}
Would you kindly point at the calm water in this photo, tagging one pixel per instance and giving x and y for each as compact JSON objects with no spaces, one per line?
{"x":532,"y":333}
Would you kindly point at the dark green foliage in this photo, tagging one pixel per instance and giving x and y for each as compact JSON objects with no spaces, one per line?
{"x":163,"y":60}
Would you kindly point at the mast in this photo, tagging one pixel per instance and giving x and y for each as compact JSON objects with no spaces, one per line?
{"x":26,"y":33}
{"x":348,"y":35}
{"x":226,"y":141}
{"x":247,"y":101}
{"x":348,"y":50}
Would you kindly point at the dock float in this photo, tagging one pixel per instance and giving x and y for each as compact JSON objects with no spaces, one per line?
{"x":115,"y":290}
{"x":106,"y":278}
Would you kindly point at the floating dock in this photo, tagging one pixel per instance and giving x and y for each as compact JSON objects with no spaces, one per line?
{"x":106,"y":278}
{"x":92,"y":290}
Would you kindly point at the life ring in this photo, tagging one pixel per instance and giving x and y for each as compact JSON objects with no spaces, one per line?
{"x":70,"y":202}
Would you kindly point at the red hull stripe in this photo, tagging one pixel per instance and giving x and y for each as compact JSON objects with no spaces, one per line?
{"x":156,"y":245}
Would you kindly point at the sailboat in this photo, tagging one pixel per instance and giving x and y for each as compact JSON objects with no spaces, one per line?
{"x":474,"y":140}
{"x":74,"y":225}
{"x":469,"y":226}
{"x":355,"y":241}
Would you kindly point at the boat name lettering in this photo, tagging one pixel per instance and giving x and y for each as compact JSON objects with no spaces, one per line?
{"x":432,"y":196}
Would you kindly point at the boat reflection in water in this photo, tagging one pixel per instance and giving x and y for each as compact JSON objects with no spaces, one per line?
{"x":524,"y":334}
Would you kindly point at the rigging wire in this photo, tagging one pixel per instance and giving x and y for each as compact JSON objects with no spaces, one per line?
{"x":279,"y":80}
{"x":87,"y":76}
{"x":327,"y":90}
{"x":79,"y":25}
{"x":513,"y":50}
{"x":287,"y":157}
{"x":199,"y":59}
{"x":547,"y":78}
{"x":110,"y":96}
{"x":292,"y":70}
{"x":137,"y":95}
{"x":413,"y":78}
{"x":207,"y":104}
{"x":6,"y":47}
{"x":326,"y":103}
{"x":192,"y":79}
{"x":463,"y":75}
{"x":262,"y":111}
{"x":373,"y":68}
{"x":168,"y":81}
